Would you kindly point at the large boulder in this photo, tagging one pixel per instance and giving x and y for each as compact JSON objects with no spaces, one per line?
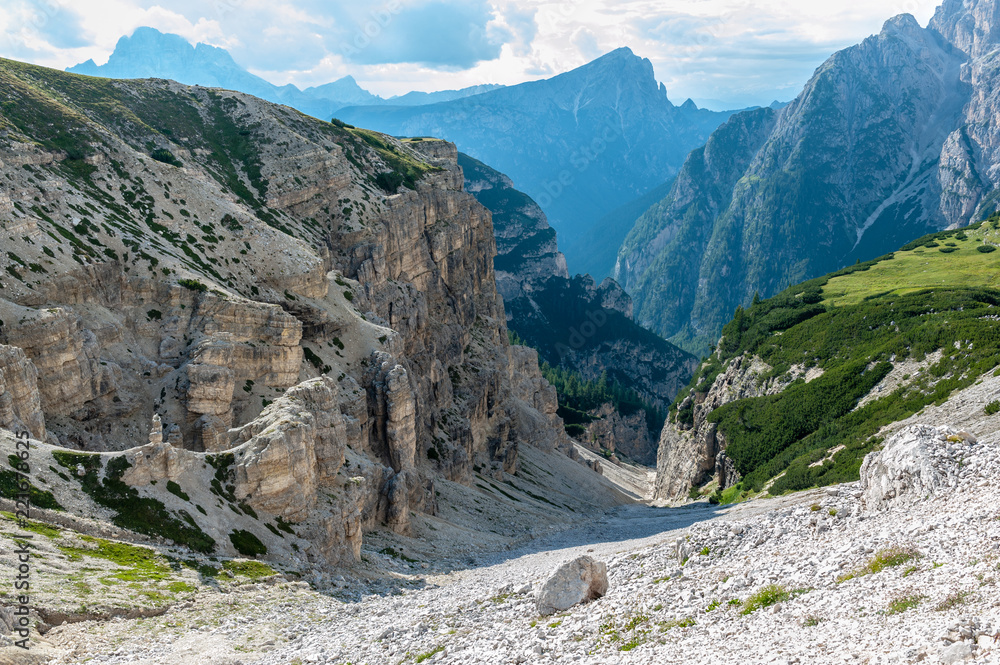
{"x":577,"y":581}
{"x":917,"y":461}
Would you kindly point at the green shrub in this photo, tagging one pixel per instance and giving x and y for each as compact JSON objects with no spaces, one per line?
{"x":10,"y":482}
{"x":176,"y":490}
{"x":246,"y":543}
{"x":193,"y":285}
{"x":992,"y":408}
{"x":986,"y":249}
{"x":140,"y":514}
{"x":165,"y":156}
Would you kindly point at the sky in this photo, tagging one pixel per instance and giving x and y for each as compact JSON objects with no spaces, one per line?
{"x":737,"y":52}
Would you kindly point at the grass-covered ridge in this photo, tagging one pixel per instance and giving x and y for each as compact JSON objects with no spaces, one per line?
{"x":141,"y":221}
{"x":940,"y":293}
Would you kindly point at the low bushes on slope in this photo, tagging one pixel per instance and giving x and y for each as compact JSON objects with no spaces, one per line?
{"x":853,"y":325}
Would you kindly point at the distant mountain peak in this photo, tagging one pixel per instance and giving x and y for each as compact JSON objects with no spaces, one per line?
{"x":902,"y":23}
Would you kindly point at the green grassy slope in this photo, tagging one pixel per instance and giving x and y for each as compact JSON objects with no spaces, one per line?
{"x":940,"y":293}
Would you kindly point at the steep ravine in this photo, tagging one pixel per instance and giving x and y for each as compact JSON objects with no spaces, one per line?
{"x":310,"y":310}
{"x":575,"y":323}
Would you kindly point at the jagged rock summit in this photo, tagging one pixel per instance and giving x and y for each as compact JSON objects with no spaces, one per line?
{"x":890,"y":139}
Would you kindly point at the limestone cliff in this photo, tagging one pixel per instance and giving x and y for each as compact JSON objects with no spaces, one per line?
{"x":691,"y":449}
{"x":310,"y":308}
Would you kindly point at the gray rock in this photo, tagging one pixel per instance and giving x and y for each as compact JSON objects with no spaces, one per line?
{"x":575,"y":582}
{"x":957,"y":652}
{"x":906,"y":466}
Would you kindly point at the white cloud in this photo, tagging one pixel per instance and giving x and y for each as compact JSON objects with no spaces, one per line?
{"x":724,"y":49}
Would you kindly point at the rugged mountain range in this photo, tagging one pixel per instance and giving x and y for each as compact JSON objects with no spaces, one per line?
{"x":581,"y":144}
{"x":575,"y":323}
{"x":306,"y":316}
{"x":890,"y":139}
{"x":149,"y":53}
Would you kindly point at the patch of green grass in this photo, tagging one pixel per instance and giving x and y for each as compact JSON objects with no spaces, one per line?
{"x":903,"y":603}
{"x":430,"y":654}
{"x":769,"y":595}
{"x":885,"y":558}
{"x":41,"y":528}
{"x":142,"y":563}
{"x":252,"y":569}
{"x":812,"y":620}
{"x":685,"y":622}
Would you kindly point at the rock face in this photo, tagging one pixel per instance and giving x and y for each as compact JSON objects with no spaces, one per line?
{"x":890,"y":139}
{"x":225,"y":284}
{"x":915,"y":463}
{"x":690,"y":452}
{"x":20,"y":402}
{"x":626,"y":435}
{"x":575,"y":582}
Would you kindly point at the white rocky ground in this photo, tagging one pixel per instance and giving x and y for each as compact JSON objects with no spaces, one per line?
{"x":682,"y":582}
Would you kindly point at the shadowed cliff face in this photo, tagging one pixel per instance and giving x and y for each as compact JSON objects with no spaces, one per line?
{"x":311,"y":309}
{"x":890,"y":139}
{"x":575,"y":323}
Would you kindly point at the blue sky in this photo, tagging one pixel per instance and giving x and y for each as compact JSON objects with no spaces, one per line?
{"x":733,"y":50}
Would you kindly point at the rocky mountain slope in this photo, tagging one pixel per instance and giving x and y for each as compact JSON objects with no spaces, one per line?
{"x":575,"y":323}
{"x":876,"y":571}
{"x":149,"y":53}
{"x":890,"y":139}
{"x":803,"y":385}
{"x":581,"y":144}
{"x":309,"y":312}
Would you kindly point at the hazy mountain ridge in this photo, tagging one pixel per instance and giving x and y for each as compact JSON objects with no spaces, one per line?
{"x":890,"y":139}
{"x":581,"y":144}
{"x":149,"y":53}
